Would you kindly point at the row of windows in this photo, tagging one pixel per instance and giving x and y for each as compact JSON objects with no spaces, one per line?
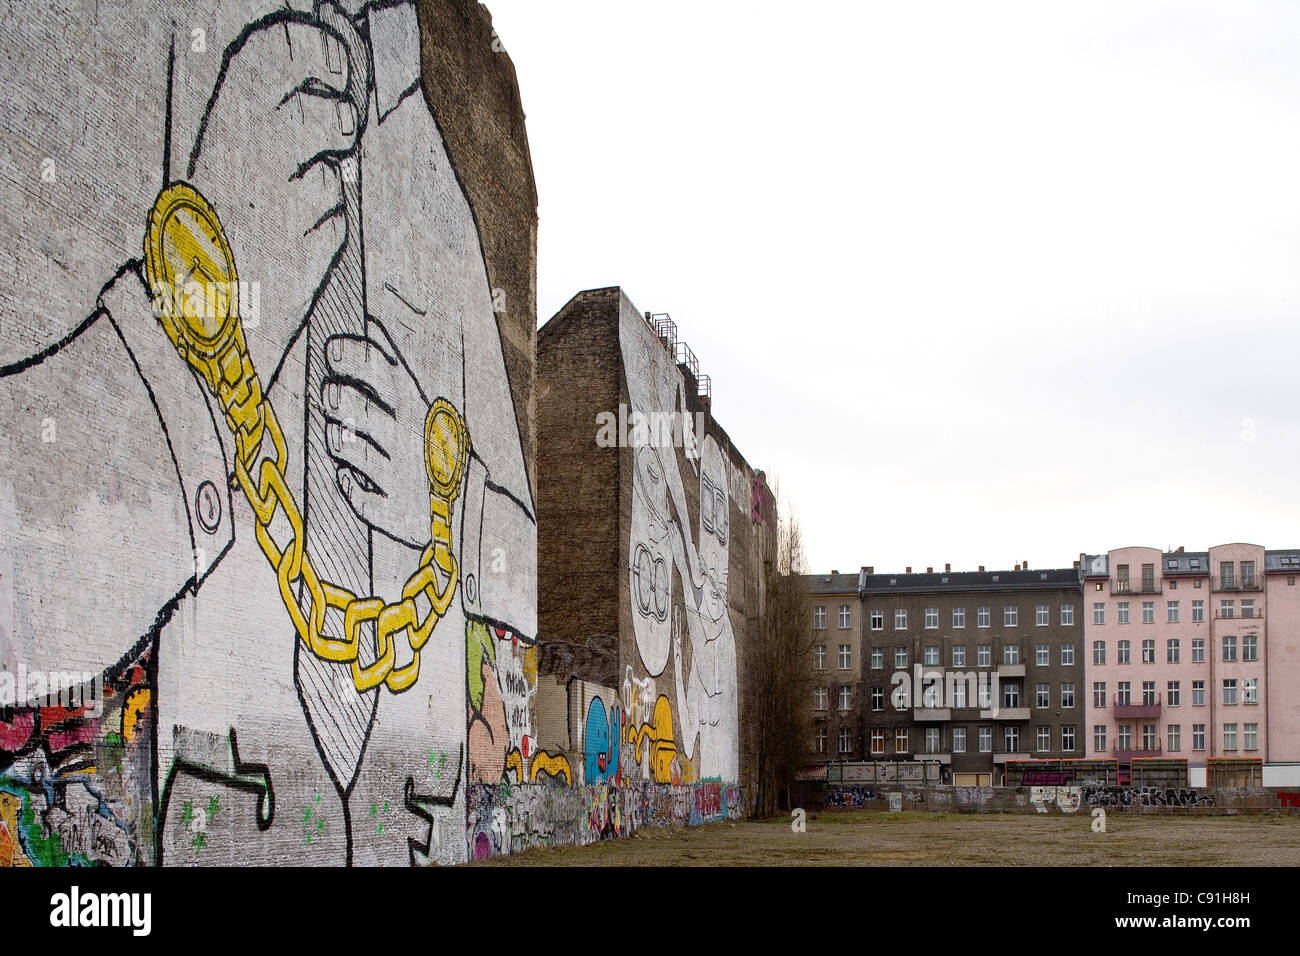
{"x":1248,"y":686}
{"x":983,"y":655}
{"x":1227,"y":574}
{"x":1173,"y":611}
{"x":1249,"y":644}
{"x":934,"y":740}
{"x":819,"y":657}
{"x":1010,"y":617}
{"x":1174,"y":737}
{"x":1010,"y":695}
{"x":819,"y":617}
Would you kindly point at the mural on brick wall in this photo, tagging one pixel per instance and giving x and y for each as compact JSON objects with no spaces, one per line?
{"x":263,"y":488}
{"x":678,"y":571}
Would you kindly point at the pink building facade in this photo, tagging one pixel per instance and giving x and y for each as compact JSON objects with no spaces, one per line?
{"x":1177,"y":649}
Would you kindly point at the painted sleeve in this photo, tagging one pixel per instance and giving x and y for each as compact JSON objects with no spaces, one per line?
{"x":109,"y":448}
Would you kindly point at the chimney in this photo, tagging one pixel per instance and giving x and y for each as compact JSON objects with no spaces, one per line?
{"x":1180,"y":549}
{"x":1024,"y":565}
{"x":929,"y":570}
{"x":947,"y":567}
{"x":1017,"y":567}
{"x":981,"y":567}
{"x":1076,"y":564}
{"x":909,"y":569}
{"x":870,"y":569}
{"x":835,"y":572}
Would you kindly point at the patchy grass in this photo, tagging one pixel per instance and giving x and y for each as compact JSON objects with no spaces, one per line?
{"x":877,"y":838}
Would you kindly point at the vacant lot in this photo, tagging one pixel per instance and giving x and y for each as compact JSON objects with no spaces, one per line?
{"x":871,"y":838}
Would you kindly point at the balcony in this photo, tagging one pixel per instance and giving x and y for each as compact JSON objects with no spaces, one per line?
{"x":1005,"y":713}
{"x":1151,"y":711}
{"x":1011,"y":670}
{"x":1126,"y":586}
{"x":1126,"y":756}
{"x":931,"y":713}
{"x":1234,"y":584}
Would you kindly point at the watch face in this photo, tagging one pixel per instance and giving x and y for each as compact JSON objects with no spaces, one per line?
{"x":446,"y":447}
{"x":191,"y":269}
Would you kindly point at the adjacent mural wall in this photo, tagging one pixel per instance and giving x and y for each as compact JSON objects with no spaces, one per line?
{"x":268,"y":571}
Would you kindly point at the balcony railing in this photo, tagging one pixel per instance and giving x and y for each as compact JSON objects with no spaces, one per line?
{"x":1138,"y":710}
{"x":1127,"y":755}
{"x":1125,"y":586}
{"x":1234,"y":583}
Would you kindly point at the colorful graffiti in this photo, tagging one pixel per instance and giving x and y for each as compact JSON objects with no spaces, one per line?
{"x":279,"y":433}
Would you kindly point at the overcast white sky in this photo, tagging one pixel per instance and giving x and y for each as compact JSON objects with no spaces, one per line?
{"x":978,"y":282}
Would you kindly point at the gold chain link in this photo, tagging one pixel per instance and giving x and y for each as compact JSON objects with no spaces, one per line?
{"x":191,"y":271}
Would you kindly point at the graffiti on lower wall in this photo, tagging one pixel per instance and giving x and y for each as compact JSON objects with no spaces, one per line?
{"x":507,"y":819}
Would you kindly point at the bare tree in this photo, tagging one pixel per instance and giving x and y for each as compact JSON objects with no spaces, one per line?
{"x":780,"y":673}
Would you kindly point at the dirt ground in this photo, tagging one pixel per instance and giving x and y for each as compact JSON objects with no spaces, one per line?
{"x":873,"y":838}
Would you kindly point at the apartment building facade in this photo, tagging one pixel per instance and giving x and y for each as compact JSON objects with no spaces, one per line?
{"x":837,"y":665}
{"x":1178,"y":654}
{"x":971,"y":669}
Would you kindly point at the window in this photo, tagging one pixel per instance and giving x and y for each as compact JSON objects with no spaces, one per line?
{"x":932,"y":740}
{"x":1010,"y":695}
{"x":1067,"y":696}
{"x":1198,"y":693}
{"x":900,"y":658}
{"x":982,"y":617}
{"x":1198,"y":611}
{"x":1148,"y":612}
{"x":1099,"y":652}
{"x":846,"y":617}
{"x":821,"y":740}
{"x":1044,"y":739}
{"x":1121,"y":577}
{"x":986,"y":740}
{"x":959,"y":693}
{"x":1172,"y":610}
{"x":846,"y":741}
{"x":1042,"y":655}
{"x":1067,"y":738}
{"x":1149,"y":737}
{"x":1251,"y":734}
{"x":900,"y":619}
{"x":877,"y":698}
{"x":877,"y":741}
{"x":1121,"y":612}
{"x":1174,"y":736}
{"x":1250,"y":690}
{"x":846,"y":657}
{"x":1226,"y":575}
{"x":1010,"y":616}
{"x":819,"y":657}
{"x":1173,"y":693}
{"x":902,"y":743}
{"x":931,"y":617}
{"x":959,"y":740}
{"x":1248,"y":580}
{"x":1226,"y":610}
{"x":877,"y":658}
{"x":1067,"y":614}
{"x":1148,"y":651}
{"x":1041,"y":616}
{"x":985,"y":696}
{"x":959,"y":655}
{"x":1124,"y":694}
{"x":1248,"y":608}
{"x":1042,"y":695}
{"x":820,"y":696}
{"x":1230,"y":691}
{"x":1198,"y":650}
{"x":846,"y":696}
{"x":1010,"y":653}
{"x":1124,"y":739}
{"x":932,"y":655}
{"x":1198,"y":736}
{"x":984,"y":655}
{"x":1148,"y":693}
{"x":1012,"y":739}
{"x":1122,"y":653}
{"x":1172,"y":650}
{"x":1229,"y":648}
{"x":1067,"y":654}
{"x":1250,"y":647}
{"x":959,"y":617}
{"x":1229,"y":736}
{"x":1099,"y":693}
{"x":877,"y":620}
{"x":819,"y":617}
{"x":1099,"y":613}
{"x":1148,"y":578}
{"x":1099,"y":738}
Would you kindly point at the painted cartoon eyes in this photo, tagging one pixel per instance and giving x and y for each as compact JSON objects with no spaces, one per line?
{"x":650,"y":574}
{"x":713,"y":507}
